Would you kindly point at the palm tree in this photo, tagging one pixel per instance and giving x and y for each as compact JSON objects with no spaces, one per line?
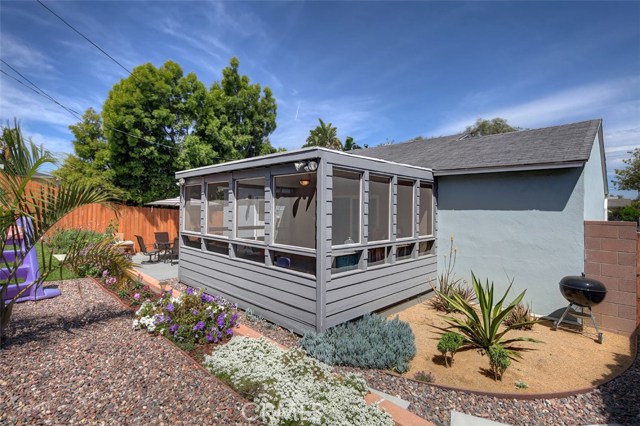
{"x":43,"y":204}
{"x":324,"y":135}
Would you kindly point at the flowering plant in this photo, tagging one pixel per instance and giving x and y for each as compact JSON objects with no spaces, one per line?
{"x":193,"y":317}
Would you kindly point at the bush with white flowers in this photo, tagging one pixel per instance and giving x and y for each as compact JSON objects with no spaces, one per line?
{"x":290,"y":388}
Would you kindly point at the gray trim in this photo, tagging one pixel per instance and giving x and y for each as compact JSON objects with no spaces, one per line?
{"x":517,"y":168}
{"x":321,"y":229}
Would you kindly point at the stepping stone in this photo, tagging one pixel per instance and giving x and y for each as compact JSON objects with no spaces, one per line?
{"x":399,"y":402}
{"x":461,"y":419}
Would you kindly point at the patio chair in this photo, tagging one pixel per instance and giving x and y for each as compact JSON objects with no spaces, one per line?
{"x":175,"y":254}
{"x":162,"y":240}
{"x":127,"y":245}
{"x":143,"y":249}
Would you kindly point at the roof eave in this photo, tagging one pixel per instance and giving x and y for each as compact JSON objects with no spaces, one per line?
{"x":514,"y":168}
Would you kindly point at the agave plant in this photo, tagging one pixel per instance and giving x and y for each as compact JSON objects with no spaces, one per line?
{"x":43,"y":204}
{"x":482,"y":329}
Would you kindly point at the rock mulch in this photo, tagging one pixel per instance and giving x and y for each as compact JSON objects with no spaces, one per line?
{"x":615,"y":402}
{"x":76,"y":359}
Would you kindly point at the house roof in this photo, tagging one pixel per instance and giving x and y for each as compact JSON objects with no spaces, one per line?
{"x":550,"y":147}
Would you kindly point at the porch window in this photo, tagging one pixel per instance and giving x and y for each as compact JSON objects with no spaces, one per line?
{"x":218,"y":219}
{"x":250,"y":209}
{"x":295,"y":210}
{"x":426,"y":209}
{"x":379,"y":192}
{"x":378,"y":256}
{"x":404,"y":251}
{"x":405,"y":219}
{"x":219,"y":247}
{"x":346,"y":208}
{"x":295,"y":262}
{"x":192,"y":203}
{"x":345,"y":262}
{"x":426,"y":248}
{"x":253,"y":254}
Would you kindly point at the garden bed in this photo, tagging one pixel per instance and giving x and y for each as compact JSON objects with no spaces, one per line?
{"x":80,"y":360}
{"x":566,"y":361}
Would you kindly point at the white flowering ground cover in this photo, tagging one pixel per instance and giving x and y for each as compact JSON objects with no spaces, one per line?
{"x":290,"y":388}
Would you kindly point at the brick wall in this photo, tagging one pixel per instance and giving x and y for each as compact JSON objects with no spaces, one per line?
{"x":611,"y":256}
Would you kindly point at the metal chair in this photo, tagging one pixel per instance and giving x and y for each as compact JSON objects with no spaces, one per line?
{"x":175,"y":251}
{"x":143,"y":249}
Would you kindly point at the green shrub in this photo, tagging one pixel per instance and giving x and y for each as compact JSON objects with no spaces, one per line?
{"x":520,"y":318}
{"x":449,"y":285}
{"x":499,"y":361}
{"x":521,"y":384}
{"x":483,"y":331}
{"x":370,"y":342}
{"x":61,"y":241}
{"x":449,"y":344}
{"x":425,"y":376}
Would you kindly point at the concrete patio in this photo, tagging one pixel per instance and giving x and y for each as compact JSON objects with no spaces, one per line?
{"x":161,"y":270}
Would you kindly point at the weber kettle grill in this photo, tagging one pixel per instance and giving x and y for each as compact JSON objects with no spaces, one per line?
{"x":582,"y":292}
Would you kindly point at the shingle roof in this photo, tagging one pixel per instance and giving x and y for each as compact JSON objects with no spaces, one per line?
{"x":550,"y":145}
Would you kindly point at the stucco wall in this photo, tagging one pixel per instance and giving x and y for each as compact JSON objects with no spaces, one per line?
{"x":526,"y":226}
{"x":595,"y":193}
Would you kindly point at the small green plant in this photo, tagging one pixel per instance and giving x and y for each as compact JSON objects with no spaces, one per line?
{"x":425,"y":376}
{"x":521,"y":317}
{"x":499,"y":361}
{"x":520,"y":384}
{"x":482,"y":330}
{"x":449,"y":285}
{"x":370,"y":342}
{"x":448,"y":345}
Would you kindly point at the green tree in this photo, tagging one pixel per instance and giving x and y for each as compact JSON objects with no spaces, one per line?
{"x":628,"y":179}
{"x":91,"y":162}
{"x":350,"y":145}
{"x":238,"y":116}
{"x":44,"y":205}
{"x":147,"y":117}
{"x":324,"y":135}
{"x":490,"y":127}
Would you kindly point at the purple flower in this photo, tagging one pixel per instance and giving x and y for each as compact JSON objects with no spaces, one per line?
{"x":174,"y":328}
{"x":190,"y":290}
{"x":206,"y":298}
{"x":198,"y":326}
{"x":229,"y":332}
{"x":209,"y":337}
{"x":220,"y":320}
{"x":170,"y":307}
{"x":194,"y":312}
{"x":136,"y":296}
{"x":105,"y":273}
{"x":234,"y":317}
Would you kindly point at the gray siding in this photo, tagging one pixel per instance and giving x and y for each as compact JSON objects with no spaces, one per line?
{"x":284,"y":298}
{"x":595,"y":191}
{"x":355,"y":294}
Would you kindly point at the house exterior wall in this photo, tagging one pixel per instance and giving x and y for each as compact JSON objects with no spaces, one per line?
{"x":527,"y":226}
{"x":595,"y":192}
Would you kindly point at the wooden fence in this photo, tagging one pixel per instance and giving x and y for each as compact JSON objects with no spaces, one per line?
{"x":131,"y":221}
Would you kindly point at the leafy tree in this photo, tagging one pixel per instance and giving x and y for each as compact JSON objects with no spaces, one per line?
{"x":44,"y":204}
{"x":629,"y":178}
{"x":238,"y":116}
{"x":91,"y":163}
{"x":147,"y":116}
{"x":324,"y":135}
{"x":490,"y":127}
{"x":350,"y":145}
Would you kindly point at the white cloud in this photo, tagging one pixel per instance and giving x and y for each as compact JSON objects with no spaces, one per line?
{"x":21,"y":56}
{"x":27,"y":106}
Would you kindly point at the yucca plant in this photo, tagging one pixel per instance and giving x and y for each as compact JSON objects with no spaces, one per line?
{"x":521,"y":317}
{"x":482,"y":329}
{"x":43,"y":204}
{"x":449,"y":284}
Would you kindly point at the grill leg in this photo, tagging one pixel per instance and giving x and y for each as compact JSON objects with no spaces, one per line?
{"x":593,"y":318}
{"x":557,"y":323}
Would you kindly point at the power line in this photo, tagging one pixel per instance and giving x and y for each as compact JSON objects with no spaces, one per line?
{"x":84,"y":37}
{"x":76,"y":115}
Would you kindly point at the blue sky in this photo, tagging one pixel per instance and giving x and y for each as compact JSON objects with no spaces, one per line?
{"x":377,"y":70}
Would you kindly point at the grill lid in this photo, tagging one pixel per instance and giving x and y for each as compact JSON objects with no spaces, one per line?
{"x":582,"y":283}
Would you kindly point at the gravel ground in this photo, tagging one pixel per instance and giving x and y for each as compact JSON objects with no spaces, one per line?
{"x":615,"y":402}
{"x":75,"y":359}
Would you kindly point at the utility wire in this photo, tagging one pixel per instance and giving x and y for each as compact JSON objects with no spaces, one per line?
{"x":76,"y":115}
{"x":84,"y":37}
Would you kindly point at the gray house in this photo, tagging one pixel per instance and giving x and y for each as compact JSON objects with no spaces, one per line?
{"x":311,"y":238}
{"x":314,"y":237}
{"x":515,"y":202}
